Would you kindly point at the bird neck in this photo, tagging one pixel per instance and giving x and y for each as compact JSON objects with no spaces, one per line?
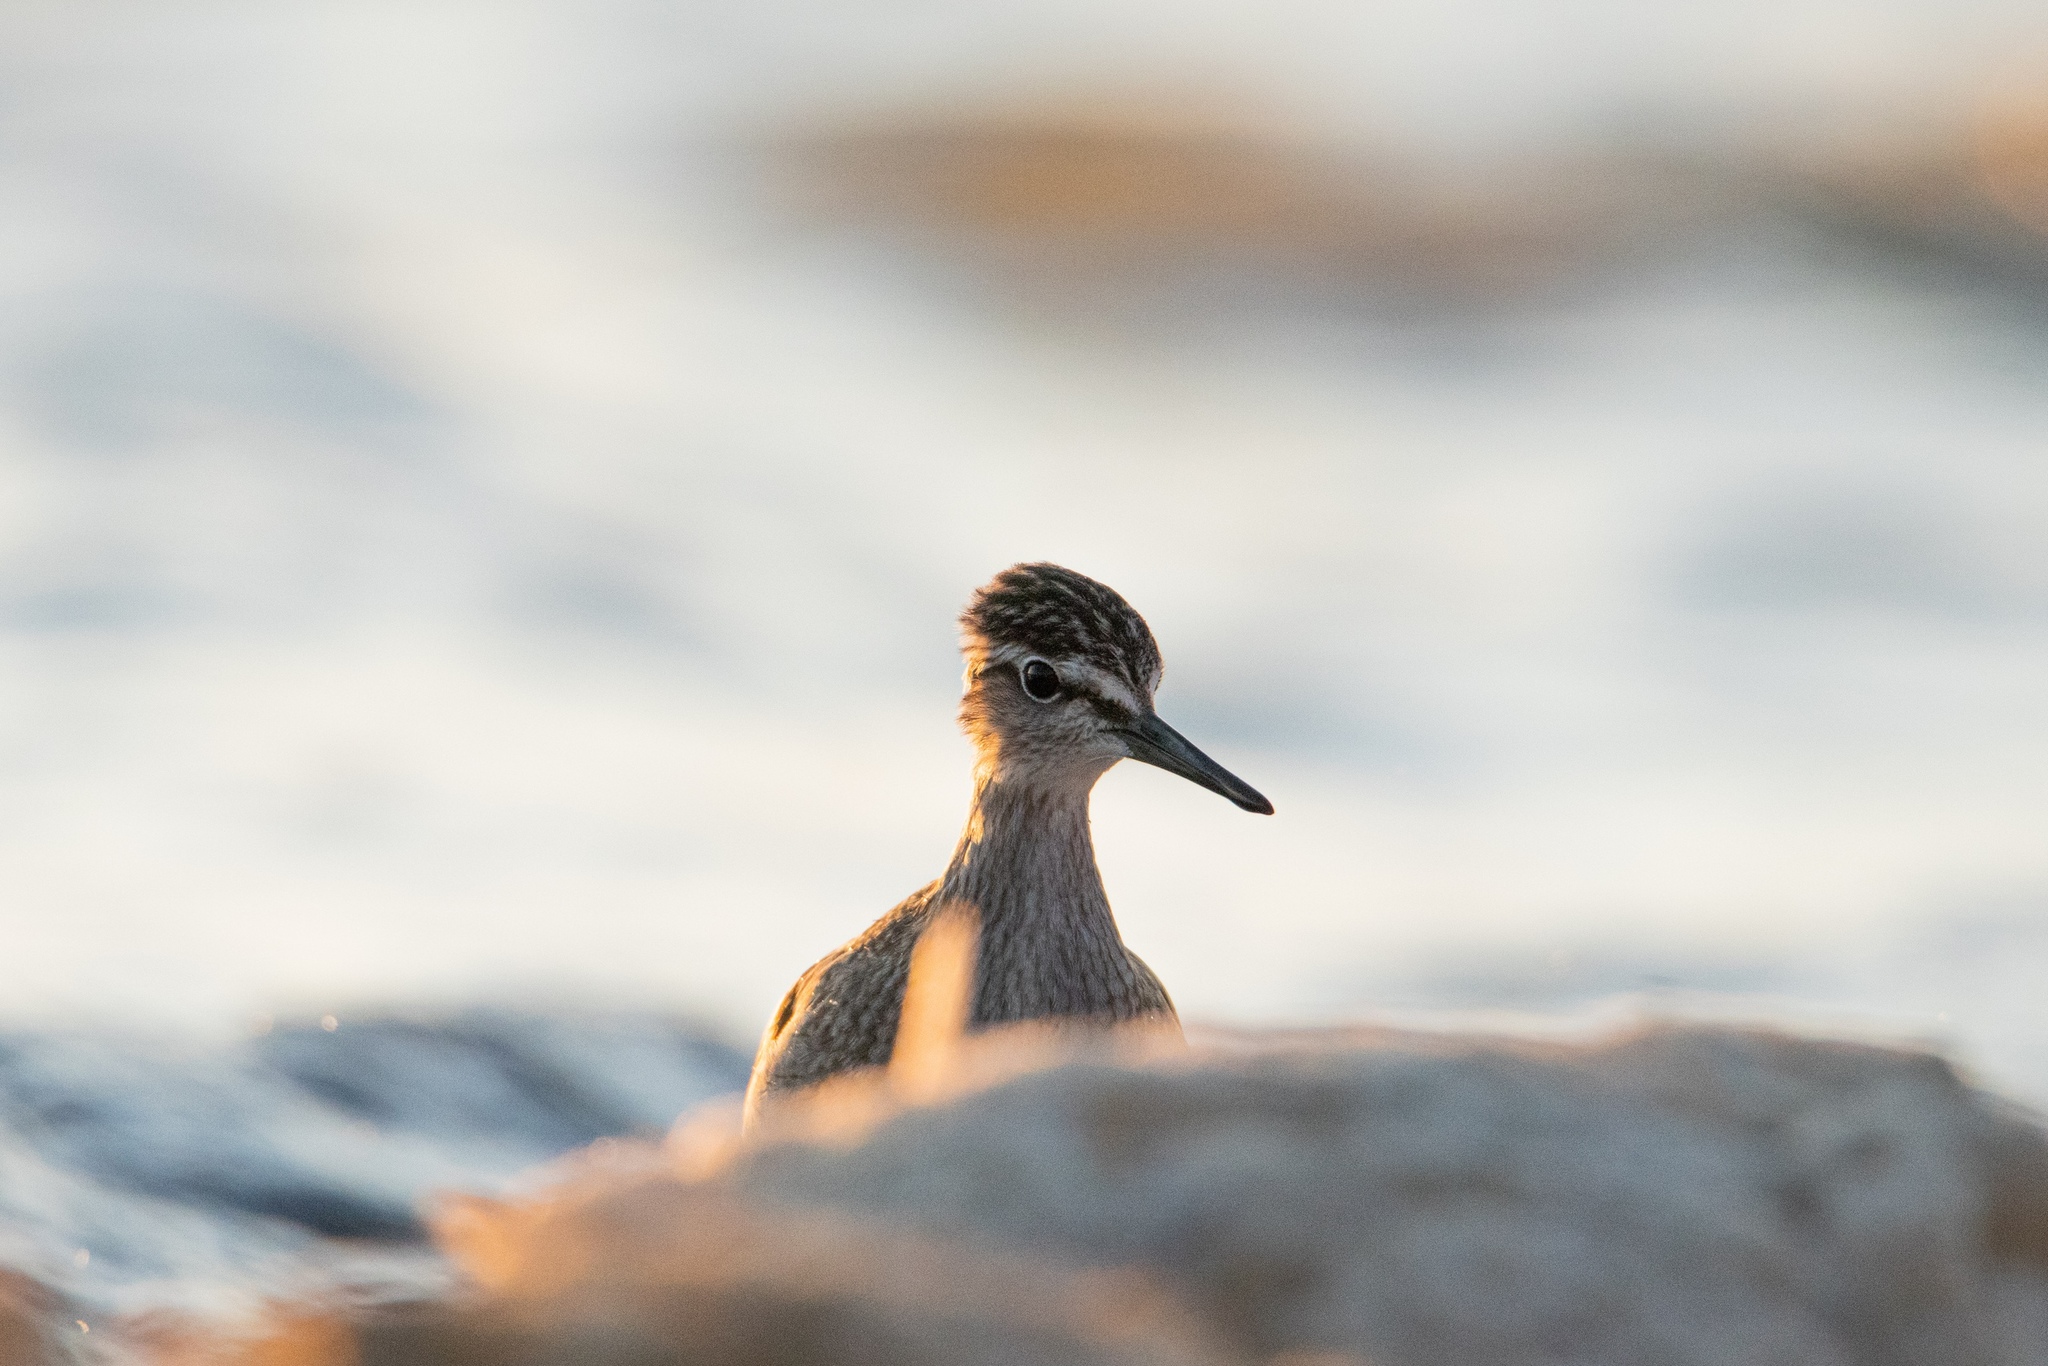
{"x":1026,"y":861}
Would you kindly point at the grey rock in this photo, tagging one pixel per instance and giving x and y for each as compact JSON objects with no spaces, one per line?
{"x":1687,"y":1196}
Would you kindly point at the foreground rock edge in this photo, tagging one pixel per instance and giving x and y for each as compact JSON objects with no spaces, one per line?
{"x":1677,"y":1194}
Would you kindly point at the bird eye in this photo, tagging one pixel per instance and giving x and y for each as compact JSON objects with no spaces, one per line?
{"x":1041,"y":680}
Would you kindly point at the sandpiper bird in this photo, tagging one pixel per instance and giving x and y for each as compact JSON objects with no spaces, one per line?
{"x":1060,"y":678}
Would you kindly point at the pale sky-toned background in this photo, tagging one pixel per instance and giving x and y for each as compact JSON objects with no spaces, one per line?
{"x":466,"y":531}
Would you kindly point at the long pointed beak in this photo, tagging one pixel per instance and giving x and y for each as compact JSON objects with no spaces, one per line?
{"x":1152,"y":741}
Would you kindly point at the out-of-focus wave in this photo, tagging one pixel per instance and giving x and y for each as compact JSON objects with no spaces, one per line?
{"x":142,"y":1176}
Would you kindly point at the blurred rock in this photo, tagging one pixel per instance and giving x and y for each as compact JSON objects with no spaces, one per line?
{"x":1085,"y":203}
{"x":1686,"y":1196}
{"x":34,"y":1324}
{"x":1968,"y":191}
{"x":1130,"y":194}
{"x":639,"y":1269}
{"x":287,"y":1336}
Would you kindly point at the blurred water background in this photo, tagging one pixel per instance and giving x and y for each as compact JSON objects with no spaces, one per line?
{"x":485,"y":489}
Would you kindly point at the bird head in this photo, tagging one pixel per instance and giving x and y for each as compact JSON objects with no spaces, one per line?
{"x":1060,"y":677}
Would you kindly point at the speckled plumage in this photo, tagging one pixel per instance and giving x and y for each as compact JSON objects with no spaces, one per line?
{"x":1048,"y":945}
{"x":1054,"y":613}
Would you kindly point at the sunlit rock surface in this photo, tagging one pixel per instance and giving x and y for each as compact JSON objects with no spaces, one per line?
{"x":639,"y":1268}
{"x":1682,"y":1196}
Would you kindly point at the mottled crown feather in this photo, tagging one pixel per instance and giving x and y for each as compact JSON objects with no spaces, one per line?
{"x":1056,"y":614}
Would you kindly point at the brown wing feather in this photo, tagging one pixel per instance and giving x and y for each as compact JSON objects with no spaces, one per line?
{"x":842,"y":1012}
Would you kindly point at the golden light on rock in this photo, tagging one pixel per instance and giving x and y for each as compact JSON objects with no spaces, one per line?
{"x":2012,"y":153}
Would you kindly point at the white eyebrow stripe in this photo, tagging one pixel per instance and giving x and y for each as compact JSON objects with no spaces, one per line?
{"x":1101,"y":682}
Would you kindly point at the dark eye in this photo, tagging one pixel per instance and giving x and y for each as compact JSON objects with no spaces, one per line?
{"x":1041,"y":680}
